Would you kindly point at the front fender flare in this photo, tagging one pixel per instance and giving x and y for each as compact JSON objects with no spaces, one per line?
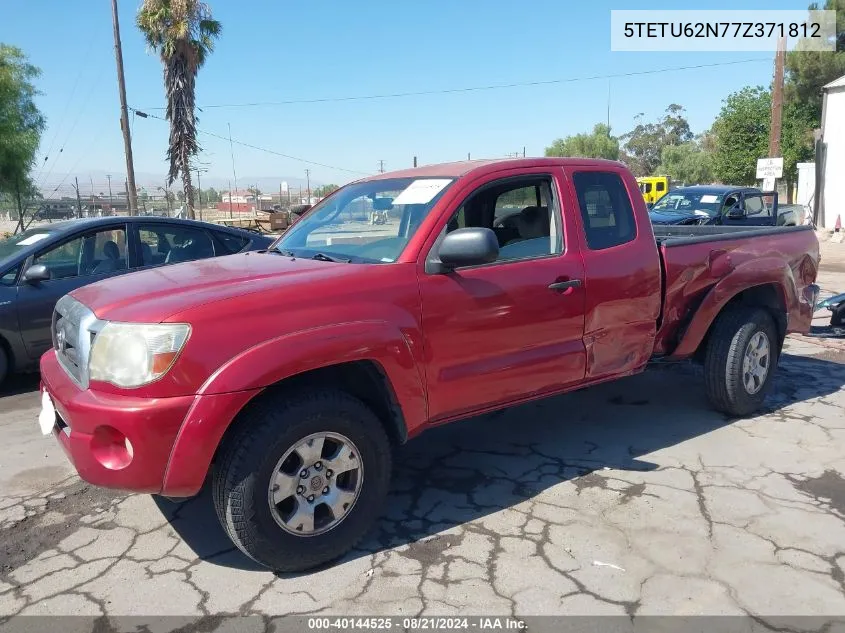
{"x":243,"y":377}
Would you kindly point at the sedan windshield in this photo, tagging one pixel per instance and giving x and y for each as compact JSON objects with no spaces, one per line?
{"x":12,"y":245}
{"x":370,"y":221}
{"x":689,"y":203}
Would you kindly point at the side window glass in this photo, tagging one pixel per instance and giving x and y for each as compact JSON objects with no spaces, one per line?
{"x":754,"y":205}
{"x":605,"y":209}
{"x":171,"y":244}
{"x":661,"y":186}
{"x":63,"y":260}
{"x":104,"y":252}
{"x":231,"y":243}
{"x":10,"y":276}
{"x":522,"y":214}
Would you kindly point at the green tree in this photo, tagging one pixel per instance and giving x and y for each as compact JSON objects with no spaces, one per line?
{"x":796,"y":139}
{"x":688,"y":163}
{"x":211,"y":195}
{"x":324,"y":190}
{"x":807,"y":70}
{"x":742,"y":135}
{"x":643,"y":146}
{"x":598,"y":144}
{"x":21,"y":125}
{"x":182,"y":32}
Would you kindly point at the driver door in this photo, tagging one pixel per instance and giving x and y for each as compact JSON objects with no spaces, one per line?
{"x":80,"y":260}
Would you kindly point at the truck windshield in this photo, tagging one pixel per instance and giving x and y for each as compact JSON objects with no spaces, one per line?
{"x":368,"y":221}
{"x":686,"y":202}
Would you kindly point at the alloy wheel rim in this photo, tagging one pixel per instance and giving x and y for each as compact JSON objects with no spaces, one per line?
{"x":756,"y":362}
{"x":315,"y":484}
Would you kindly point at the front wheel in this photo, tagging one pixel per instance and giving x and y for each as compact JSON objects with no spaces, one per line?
{"x":302,"y":479}
{"x":740,"y":359}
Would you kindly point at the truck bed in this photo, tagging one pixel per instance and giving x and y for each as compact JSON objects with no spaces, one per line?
{"x":695,"y":258}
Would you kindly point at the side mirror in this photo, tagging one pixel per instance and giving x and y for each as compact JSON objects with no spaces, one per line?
{"x":649,"y":205}
{"x":36,"y":273}
{"x":468,"y":247}
{"x":736,"y":212}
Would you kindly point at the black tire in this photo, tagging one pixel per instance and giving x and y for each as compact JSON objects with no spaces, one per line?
{"x":4,"y":364}
{"x":266,"y":430}
{"x":838,"y":316}
{"x":723,"y":373}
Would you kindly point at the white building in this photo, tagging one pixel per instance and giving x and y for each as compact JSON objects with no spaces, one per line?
{"x":831,"y":189}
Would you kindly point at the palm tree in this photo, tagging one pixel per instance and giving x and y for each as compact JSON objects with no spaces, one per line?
{"x":183,"y":33}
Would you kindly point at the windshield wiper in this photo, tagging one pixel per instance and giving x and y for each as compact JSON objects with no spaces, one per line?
{"x":329,"y":258}
{"x":284,"y":252}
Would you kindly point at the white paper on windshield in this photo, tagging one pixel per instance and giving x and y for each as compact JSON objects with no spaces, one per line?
{"x":701,"y":213}
{"x":709,"y":198}
{"x":32,"y":239}
{"x":422,"y":191}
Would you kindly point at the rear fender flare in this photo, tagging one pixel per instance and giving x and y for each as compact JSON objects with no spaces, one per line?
{"x":756,"y":272}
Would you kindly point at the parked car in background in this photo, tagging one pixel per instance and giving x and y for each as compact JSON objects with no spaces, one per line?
{"x":55,"y":212}
{"x":494,"y":283}
{"x":722,"y":205}
{"x":41,"y":264}
{"x":653,"y":187}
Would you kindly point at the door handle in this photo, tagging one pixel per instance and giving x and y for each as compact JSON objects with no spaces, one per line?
{"x":565,"y":285}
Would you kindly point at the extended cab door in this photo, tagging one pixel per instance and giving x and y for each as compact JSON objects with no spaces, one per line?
{"x":622,"y":268}
{"x":513,"y":328}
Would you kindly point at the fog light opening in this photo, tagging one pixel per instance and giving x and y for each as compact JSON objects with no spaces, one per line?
{"x":111,"y":448}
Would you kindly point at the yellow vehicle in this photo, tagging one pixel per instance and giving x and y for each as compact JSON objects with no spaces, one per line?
{"x":653,"y":187}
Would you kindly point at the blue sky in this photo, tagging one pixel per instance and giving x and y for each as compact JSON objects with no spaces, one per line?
{"x":275,"y":50}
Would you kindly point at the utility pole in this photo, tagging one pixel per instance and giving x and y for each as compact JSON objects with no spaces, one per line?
{"x":777,"y":101}
{"x":523,"y":151}
{"x":91,"y":180}
{"x":777,"y":105}
{"x":308,"y":180}
{"x":78,"y":199}
{"x":111,"y":203}
{"x":468,"y":158}
{"x":230,"y":199}
{"x":124,"y":114}
{"x":415,"y":161}
{"x":234,"y":174}
{"x":280,"y":196}
{"x":199,"y":189}
{"x":381,"y":166}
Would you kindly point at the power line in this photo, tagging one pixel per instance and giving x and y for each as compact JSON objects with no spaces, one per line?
{"x":256,"y":147}
{"x":522,"y":84}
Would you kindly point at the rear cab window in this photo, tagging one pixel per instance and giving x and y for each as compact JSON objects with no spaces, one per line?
{"x":606,"y":209}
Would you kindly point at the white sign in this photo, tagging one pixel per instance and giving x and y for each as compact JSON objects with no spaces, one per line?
{"x":769,"y":168}
{"x":421,"y":191}
{"x":32,"y":239}
{"x":709,"y":199}
{"x":769,"y":183}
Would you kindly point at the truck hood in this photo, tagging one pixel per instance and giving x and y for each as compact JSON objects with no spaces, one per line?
{"x":153,"y":295}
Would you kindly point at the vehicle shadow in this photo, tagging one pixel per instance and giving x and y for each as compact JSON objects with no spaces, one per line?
{"x":465,"y":471}
{"x":18,"y":384}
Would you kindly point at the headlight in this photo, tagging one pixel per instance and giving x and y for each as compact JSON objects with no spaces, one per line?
{"x":134,"y":354}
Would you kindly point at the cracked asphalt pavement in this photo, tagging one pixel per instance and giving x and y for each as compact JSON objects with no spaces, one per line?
{"x":629,"y":498}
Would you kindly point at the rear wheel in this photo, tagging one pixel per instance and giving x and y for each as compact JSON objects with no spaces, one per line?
{"x":741,"y":355}
{"x":302,"y":479}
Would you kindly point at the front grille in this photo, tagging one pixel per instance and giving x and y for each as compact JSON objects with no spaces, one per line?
{"x":74,"y":329}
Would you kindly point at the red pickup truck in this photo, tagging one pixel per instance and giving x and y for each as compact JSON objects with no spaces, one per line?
{"x":400,"y":302}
